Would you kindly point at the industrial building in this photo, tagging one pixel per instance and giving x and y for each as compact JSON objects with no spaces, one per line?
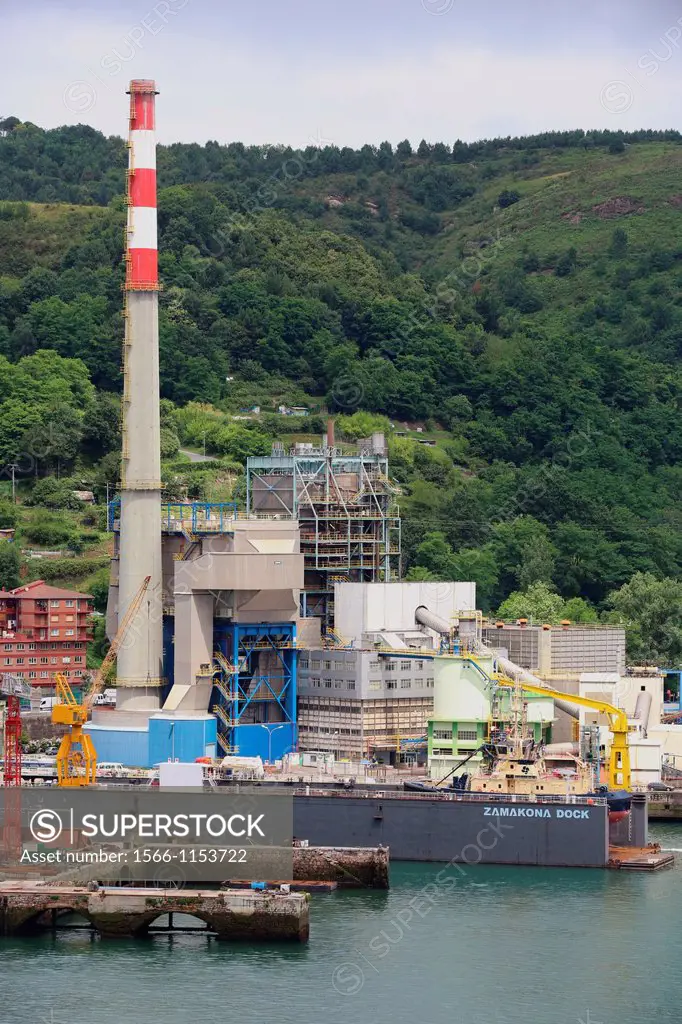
{"x":370,"y":693}
{"x":345,"y":505}
{"x":44,"y":630}
{"x":467,"y":704}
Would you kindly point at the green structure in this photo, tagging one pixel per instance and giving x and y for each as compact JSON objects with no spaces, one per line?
{"x":469,"y":709}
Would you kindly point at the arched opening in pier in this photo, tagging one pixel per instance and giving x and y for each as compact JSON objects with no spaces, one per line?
{"x":55,"y":918}
{"x":177,"y":923}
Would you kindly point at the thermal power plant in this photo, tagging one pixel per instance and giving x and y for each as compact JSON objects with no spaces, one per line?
{"x":302,"y":590}
{"x":137,"y":732}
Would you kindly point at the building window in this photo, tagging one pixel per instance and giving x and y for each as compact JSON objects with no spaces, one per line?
{"x":53,"y":661}
{"x":44,"y":675}
{"x":78,"y":658}
{"x":391,"y":666}
{"x":373,"y":665}
{"x":31,"y":647}
{"x":467,"y":734}
{"x":69,"y":618}
{"x":69,"y":604}
{"x":419,"y":682}
{"x":20,"y":647}
{"x":20,"y":661}
{"x":67,"y":647}
{"x":66,"y":661}
{"x":391,"y":684}
{"x":78,"y":672}
{"x":442,"y":734}
{"x":33,"y":661}
{"x":9,"y":647}
{"x":53,"y":647}
{"x":351,"y":685}
{"x":442,"y":751}
{"x":31,"y":675}
{"x":302,"y":662}
{"x":429,"y":683}
{"x":54,"y":604}
{"x":69,"y":632}
{"x":8,"y":661}
{"x":405,"y":684}
{"x":327,"y":665}
{"x":54,"y":632}
{"x":315,"y":665}
{"x":328,"y":683}
{"x":419,"y":666}
{"x":405,"y":666}
{"x":44,"y":661}
{"x":78,"y":646}
{"x":374,"y":685}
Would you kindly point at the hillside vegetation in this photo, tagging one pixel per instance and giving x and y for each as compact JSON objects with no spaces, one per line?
{"x":518,"y":299}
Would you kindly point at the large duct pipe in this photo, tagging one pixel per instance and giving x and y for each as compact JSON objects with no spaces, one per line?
{"x":562,"y":748}
{"x":514,"y":672}
{"x":432,"y":621}
{"x":139,"y":676}
{"x":440,"y":625}
{"x":643,"y":709}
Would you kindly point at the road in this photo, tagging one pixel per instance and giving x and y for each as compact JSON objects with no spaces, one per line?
{"x":195,"y":456}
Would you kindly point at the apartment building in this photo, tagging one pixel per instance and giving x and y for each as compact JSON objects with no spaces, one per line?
{"x":44,"y":630}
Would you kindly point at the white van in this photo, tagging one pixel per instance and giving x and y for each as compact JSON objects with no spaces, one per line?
{"x":47,"y":703}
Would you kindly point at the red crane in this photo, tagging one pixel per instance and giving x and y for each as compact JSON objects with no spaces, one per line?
{"x":14,"y":689}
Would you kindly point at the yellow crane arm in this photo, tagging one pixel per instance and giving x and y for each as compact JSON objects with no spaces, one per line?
{"x":103,"y":670}
{"x":77,"y":757}
{"x":619,"y":760}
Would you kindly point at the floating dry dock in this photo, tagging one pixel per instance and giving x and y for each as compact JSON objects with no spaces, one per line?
{"x":129,"y":913}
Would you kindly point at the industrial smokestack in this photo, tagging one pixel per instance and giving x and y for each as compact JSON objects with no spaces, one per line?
{"x":140,"y":658}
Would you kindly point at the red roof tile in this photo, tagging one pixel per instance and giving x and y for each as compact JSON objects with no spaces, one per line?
{"x":43,"y":591}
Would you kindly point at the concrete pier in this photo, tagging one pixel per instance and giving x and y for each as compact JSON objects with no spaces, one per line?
{"x":128,"y":913}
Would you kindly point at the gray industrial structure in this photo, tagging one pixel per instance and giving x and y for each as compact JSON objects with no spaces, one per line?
{"x":345,"y":504}
{"x":372,"y":693}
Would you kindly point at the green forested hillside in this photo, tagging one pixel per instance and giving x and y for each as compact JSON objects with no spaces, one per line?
{"x":518,"y":299}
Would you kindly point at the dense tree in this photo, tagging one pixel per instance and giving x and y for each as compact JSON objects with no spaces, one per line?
{"x":10,"y":564}
{"x":651,"y":609}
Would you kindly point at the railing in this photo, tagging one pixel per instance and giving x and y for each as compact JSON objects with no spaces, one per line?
{"x":449,"y":795}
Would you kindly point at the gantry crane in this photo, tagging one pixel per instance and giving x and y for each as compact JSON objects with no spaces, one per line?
{"x":619,"y":758}
{"x":77,"y":757}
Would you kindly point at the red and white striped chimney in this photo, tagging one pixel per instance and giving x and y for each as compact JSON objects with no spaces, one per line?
{"x":142,"y":272}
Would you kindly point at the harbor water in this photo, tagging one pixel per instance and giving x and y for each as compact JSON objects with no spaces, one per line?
{"x":496,"y":944}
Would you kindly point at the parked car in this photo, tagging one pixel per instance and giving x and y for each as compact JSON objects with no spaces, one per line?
{"x":660,"y":787}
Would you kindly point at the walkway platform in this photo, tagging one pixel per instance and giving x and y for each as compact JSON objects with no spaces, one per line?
{"x":633,"y":858}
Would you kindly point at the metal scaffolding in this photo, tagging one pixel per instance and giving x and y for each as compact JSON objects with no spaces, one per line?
{"x":254,"y":697}
{"x":346,"y":508}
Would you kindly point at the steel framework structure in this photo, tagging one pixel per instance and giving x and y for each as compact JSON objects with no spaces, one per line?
{"x":254,"y":695}
{"x":345,"y":505}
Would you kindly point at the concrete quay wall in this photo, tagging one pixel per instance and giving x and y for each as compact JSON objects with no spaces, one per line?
{"x":350,"y":867}
{"x":115,"y":913}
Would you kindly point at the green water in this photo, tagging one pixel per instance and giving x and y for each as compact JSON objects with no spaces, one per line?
{"x":502,"y":946}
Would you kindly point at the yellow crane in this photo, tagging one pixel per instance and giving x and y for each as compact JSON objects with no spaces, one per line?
{"x":77,"y":757}
{"x":619,"y":758}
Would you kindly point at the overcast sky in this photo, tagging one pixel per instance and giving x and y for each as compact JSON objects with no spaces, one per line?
{"x":345,"y":71}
